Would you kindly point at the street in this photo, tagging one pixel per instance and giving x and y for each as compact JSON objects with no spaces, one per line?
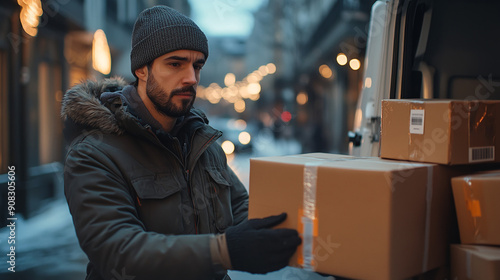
{"x":46,"y":246}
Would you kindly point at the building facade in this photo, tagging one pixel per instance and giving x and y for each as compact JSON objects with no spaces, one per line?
{"x":46,"y":48}
{"x":303,"y":38}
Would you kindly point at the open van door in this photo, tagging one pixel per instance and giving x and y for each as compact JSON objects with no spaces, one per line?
{"x":426,"y":49}
{"x":377,"y":79}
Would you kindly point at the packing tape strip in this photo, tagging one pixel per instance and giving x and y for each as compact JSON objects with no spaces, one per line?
{"x":308,"y":214}
{"x":428,"y":210}
{"x":302,"y":223}
{"x":308,"y":217}
{"x":480,"y":132}
{"x":473,"y":205}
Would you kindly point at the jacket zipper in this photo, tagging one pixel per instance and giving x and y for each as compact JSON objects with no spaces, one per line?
{"x":187,"y":171}
{"x":215,"y":136}
{"x":183,"y":164}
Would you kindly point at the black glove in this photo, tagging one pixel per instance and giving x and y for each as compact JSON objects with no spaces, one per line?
{"x":255,"y":248}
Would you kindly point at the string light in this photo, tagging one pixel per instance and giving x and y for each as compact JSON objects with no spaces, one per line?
{"x":237,"y":91}
{"x":325,"y":71}
{"x":341,"y":59}
{"x":355,"y":64}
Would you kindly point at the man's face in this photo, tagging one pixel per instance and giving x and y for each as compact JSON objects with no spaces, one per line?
{"x":172,"y":81}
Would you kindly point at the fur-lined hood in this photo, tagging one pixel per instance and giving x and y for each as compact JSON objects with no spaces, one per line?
{"x":81,"y":104}
{"x":83,"y":109}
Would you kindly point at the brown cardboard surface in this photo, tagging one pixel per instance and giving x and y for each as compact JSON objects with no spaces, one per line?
{"x":477,"y":202}
{"x":441,"y":273}
{"x":377,"y":219}
{"x":450,"y":128}
{"x":475,"y":262}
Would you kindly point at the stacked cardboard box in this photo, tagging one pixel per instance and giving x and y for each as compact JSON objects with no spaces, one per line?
{"x":369,"y":218}
{"x":470,"y":262}
{"x":441,"y":131}
{"x":477,"y":199}
{"x":454,"y":132}
{"x":374,"y":218}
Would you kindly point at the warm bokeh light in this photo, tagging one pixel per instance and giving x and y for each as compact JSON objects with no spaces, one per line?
{"x":228,"y":147}
{"x":254,"y":97}
{"x":253,"y":88}
{"x":234,"y":91}
{"x":101,"y":56}
{"x":252,"y":78}
{"x":214,"y":85}
{"x":243,"y":91}
{"x":263,"y":70}
{"x":368,"y":82}
{"x":341,"y":59}
{"x":229,"y":95}
{"x":200,"y":92}
{"x":355,"y":64}
{"x":302,"y":98}
{"x":271,"y":67}
{"x":229,"y":79}
{"x":239,"y":106}
{"x":358,"y":118}
{"x":244,"y":137}
{"x":240,"y":124}
{"x":31,"y":11}
{"x":325,"y":71}
{"x":212,"y":95}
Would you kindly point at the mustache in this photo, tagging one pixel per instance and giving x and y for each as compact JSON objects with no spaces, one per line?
{"x":183,"y":90}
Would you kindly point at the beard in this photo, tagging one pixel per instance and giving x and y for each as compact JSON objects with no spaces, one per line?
{"x":163,"y":101}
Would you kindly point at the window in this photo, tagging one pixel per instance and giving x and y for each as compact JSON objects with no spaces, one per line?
{"x":49,"y":123}
{"x":4,"y":114}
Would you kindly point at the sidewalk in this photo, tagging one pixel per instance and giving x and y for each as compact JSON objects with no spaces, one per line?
{"x":47,"y":247}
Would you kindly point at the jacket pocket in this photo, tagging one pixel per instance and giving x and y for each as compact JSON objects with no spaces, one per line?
{"x":221,"y":199}
{"x":155,"y":187}
{"x":159,"y":203}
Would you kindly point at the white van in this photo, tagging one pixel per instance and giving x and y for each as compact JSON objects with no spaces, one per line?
{"x":426,"y":49}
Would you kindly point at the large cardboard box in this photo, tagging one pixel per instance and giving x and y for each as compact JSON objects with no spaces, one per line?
{"x":477,"y":202}
{"x":441,"y":131}
{"x":469,"y":262}
{"x":371,"y":218}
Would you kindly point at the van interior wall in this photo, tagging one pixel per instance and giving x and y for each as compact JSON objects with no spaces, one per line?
{"x":457,"y":55}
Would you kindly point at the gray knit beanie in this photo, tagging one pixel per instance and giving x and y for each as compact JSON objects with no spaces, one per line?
{"x":160,"y":30}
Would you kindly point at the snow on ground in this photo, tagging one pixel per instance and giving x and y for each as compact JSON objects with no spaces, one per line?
{"x":47,"y":247}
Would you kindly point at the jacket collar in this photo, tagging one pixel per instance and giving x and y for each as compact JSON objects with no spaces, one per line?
{"x":111,"y":106}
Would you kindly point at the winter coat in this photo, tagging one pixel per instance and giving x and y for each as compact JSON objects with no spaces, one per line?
{"x":141,"y":208}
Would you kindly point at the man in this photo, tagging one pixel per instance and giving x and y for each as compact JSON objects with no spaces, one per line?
{"x":149,"y":189}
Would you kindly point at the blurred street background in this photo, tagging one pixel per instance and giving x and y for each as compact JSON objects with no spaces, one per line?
{"x":283,"y":77}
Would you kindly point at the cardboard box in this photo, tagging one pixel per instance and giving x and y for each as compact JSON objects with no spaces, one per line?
{"x":469,"y":262}
{"x":372,"y":218}
{"x":441,"y":273}
{"x":477,"y":204}
{"x":441,"y":131}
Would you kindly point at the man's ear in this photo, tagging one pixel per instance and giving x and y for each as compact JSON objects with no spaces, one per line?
{"x":142,"y":73}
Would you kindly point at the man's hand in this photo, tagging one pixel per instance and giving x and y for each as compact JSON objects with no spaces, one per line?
{"x":256,"y":248}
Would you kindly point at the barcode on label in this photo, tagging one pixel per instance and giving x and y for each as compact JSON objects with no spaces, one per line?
{"x":417,"y":121}
{"x":479,"y":154}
